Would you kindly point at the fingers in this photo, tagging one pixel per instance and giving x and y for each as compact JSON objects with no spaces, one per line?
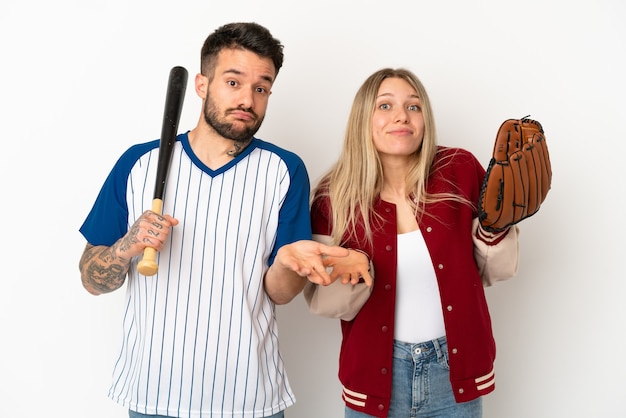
{"x":311,"y":259}
{"x":351,"y":269}
{"x":151,"y":230}
{"x":356,"y":278}
{"x":367,"y":278}
{"x":319,"y":275}
{"x":333,"y":251}
{"x":320,"y":261}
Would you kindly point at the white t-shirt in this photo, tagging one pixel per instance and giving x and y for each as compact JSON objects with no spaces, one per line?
{"x":419,"y":315}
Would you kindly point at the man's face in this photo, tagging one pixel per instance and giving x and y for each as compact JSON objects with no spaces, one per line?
{"x":237,"y":97}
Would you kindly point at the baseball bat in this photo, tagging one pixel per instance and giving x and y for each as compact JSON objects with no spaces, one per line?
{"x":176,"y":86}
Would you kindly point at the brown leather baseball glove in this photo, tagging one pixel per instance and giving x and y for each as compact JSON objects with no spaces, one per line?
{"x":518,"y":177}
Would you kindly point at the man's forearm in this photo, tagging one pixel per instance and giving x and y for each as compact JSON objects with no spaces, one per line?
{"x":283,"y":285}
{"x":102,"y":270}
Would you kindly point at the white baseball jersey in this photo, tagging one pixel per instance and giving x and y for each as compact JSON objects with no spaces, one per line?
{"x":200,"y":338}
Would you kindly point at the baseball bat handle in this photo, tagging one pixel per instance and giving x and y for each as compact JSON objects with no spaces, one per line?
{"x":148,"y":265}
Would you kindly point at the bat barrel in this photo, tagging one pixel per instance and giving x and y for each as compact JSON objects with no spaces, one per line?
{"x":175,"y":96}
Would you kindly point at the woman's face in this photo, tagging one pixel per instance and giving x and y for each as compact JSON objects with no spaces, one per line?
{"x":398,"y":122}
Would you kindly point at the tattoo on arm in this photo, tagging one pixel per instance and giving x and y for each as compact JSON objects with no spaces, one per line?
{"x":125,"y":243}
{"x":101,"y":270}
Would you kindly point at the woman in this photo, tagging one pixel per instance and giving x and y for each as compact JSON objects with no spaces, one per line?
{"x":418,"y":342}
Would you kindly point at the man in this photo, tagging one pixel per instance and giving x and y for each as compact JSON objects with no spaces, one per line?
{"x":200,"y":337}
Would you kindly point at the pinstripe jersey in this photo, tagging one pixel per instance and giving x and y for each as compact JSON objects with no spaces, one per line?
{"x":200,"y":338}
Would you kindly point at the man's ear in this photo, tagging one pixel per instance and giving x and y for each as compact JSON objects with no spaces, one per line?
{"x":202,"y":85}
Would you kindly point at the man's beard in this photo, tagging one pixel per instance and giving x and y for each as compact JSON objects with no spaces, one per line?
{"x":226,"y":129}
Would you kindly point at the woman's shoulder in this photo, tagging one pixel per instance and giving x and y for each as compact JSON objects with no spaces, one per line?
{"x":453,"y":155}
{"x":453,"y":151}
{"x":320,"y":194}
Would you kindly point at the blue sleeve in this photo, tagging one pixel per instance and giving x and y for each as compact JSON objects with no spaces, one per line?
{"x":294,"y":222}
{"x":108,"y":219}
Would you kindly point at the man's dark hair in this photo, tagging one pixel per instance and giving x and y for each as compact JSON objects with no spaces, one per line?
{"x":243,"y":35}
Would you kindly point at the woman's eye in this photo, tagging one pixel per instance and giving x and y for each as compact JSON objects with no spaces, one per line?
{"x":414,"y":108}
{"x":384,"y":106}
{"x":232,"y":83}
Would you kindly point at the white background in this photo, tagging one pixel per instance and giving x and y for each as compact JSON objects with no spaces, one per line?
{"x":83,"y":80}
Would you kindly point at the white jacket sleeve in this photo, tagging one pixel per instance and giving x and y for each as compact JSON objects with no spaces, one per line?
{"x":499,"y":261}
{"x":336,"y":300}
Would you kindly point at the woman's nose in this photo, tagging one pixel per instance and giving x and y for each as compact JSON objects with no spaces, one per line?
{"x":401,"y":116}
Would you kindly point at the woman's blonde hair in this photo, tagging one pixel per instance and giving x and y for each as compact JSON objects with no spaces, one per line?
{"x":355,"y":181}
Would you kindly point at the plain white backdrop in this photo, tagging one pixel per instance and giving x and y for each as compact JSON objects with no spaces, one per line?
{"x":83,"y":80}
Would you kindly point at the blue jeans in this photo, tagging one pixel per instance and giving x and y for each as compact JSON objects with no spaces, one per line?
{"x":421,"y":384}
{"x":133,"y":414}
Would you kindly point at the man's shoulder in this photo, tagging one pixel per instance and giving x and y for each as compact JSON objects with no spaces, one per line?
{"x":136,"y":151}
{"x":290,"y":157}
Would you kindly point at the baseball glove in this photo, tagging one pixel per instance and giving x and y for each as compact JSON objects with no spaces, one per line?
{"x":518,"y":177}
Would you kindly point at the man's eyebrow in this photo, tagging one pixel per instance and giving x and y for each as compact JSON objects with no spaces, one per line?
{"x":235,"y":71}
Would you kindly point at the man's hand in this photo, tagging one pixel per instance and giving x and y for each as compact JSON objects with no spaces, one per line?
{"x":103,"y":269}
{"x":149,"y":230}
{"x":296,"y":262}
{"x":310,"y":259}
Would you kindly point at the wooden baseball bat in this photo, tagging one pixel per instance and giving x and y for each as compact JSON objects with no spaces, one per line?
{"x":176,"y":86}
